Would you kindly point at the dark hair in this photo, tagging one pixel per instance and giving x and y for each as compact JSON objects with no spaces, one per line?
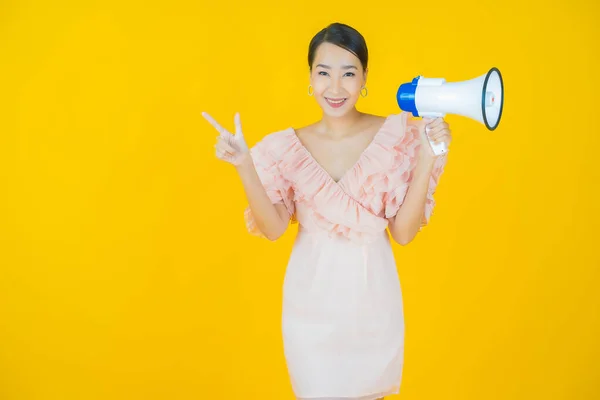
{"x":343,"y":36}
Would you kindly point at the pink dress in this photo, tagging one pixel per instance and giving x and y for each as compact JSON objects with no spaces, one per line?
{"x":342,"y":319}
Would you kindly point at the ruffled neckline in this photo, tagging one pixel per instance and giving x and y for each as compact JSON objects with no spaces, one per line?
{"x":363,"y":155}
{"x":359,"y":204}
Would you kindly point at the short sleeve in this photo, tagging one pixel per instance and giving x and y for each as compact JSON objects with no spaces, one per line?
{"x":279,"y":189}
{"x":406,"y":149}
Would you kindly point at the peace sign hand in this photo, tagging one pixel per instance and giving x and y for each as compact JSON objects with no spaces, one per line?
{"x":230,"y":147}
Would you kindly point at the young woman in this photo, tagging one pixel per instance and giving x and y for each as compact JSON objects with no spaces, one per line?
{"x":345,"y":179}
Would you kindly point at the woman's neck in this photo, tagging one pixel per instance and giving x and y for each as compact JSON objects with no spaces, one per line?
{"x":338,"y":127}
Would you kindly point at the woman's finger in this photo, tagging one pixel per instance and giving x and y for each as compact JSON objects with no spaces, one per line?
{"x":225,"y":145}
{"x":238,"y":124}
{"x":230,"y":159}
{"x":220,"y":154}
{"x":438,"y":128}
{"x":216,"y":125}
{"x":433,"y":132}
{"x":445,"y":138}
{"x":435,"y":123}
{"x":440,"y":133}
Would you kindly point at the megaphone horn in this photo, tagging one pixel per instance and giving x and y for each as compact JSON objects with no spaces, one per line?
{"x":481,"y":99}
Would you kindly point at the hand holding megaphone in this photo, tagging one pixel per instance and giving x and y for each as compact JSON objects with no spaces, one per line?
{"x":437,"y":133}
{"x":481,"y":99}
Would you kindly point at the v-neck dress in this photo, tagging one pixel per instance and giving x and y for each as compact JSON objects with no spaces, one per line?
{"x":342,"y":315}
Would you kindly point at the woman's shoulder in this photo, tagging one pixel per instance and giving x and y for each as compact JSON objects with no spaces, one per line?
{"x":303,"y":130}
{"x":277,"y":136}
{"x":275,"y":142}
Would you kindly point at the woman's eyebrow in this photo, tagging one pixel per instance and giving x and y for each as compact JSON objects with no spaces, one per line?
{"x":343,"y":66}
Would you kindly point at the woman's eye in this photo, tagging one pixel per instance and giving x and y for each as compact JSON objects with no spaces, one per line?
{"x":324,"y":73}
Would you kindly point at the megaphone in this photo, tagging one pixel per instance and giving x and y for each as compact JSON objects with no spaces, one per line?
{"x":481,"y":99}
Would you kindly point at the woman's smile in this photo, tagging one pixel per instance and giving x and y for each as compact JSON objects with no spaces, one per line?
{"x":335,"y":103}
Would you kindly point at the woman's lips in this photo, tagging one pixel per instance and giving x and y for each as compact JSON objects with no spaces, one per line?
{"x":335,"y":103}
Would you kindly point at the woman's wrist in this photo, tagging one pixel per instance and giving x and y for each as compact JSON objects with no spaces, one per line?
{"x":245,"y":163}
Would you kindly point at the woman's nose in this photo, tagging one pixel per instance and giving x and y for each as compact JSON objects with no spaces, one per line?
{"x":335,"y":85}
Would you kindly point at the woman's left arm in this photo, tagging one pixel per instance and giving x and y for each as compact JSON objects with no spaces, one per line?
{"x":405,"y":225}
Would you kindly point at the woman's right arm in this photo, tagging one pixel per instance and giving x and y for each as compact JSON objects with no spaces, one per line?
{"x":271,"y":219}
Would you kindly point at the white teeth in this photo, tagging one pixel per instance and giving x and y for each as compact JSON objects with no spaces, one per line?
{"x":336,"y":101}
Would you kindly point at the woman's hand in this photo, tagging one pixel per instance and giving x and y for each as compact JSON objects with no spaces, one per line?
{"x":436,"y":129}
{"x":230,"y":147}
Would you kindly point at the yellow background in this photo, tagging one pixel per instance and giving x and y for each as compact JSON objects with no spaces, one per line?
{"x":126,"y":271}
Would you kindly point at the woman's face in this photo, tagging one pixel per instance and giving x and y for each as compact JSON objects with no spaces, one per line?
{"x":337,"y":77}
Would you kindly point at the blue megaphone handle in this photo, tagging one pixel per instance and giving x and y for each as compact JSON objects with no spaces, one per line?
{"x":406,"y":96}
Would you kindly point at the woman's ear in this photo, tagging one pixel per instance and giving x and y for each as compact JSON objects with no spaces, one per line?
{"x":365,"y":73}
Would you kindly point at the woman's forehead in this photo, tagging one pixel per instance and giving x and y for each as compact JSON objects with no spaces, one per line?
{"x":335,"y":56}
